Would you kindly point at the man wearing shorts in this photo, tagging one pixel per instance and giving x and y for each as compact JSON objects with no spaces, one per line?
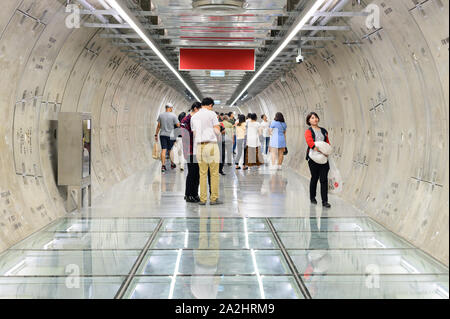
{"x":167,"y":122}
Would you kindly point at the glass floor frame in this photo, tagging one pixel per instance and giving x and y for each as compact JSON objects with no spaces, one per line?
{"x":227,"y":258}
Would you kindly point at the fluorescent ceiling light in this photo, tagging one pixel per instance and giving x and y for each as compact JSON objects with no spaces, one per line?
{"x":220,"y":74}
{"x":125,"y":14}
{"x":291,"y":35}
{"x":217,"y":102}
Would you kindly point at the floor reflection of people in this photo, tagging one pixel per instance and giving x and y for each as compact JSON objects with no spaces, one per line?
{"x":278,"y":184}
{"x":204,"y":285}
{"x":265,"y":186}
{"x":318,"y":256}
{"x":167,"y":183}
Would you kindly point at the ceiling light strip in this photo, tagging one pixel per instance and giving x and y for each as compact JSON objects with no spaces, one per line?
{"x":126,"y":14}
{"x":300,"y":24}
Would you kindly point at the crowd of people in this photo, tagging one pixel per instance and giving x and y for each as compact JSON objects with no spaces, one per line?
{"x":206,"y":141}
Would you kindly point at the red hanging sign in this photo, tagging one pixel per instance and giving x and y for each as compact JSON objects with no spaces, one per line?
{"x":217,"y":59}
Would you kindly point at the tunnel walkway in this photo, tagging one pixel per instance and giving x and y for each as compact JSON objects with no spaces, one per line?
{"x":142,"y":240}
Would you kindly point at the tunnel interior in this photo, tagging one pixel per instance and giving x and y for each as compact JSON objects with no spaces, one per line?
{"x":383,"y":96}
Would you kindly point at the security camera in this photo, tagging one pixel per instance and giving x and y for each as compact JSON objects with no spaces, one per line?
{"x":299,"y":58}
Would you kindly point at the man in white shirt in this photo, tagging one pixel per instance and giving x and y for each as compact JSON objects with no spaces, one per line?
{"x":206,"y":128}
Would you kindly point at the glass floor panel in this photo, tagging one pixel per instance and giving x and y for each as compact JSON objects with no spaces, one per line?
{"x":341,"y":240}
{"x":221,"y":258}
{"x":213,"y":240}
{"x":59,"y":288}
{"x":384,"y":261}
{"x":104,"y":225}
{"x":325,"y":224}
{"x":209,"y":262}
{"x":214,"y":287}
{"x":215,"y":224}
{"x":108,"y":240}
{"x":62,"y":263}
{"x":378,"y":287}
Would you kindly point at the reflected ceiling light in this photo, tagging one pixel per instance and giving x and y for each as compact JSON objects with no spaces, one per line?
{"x":129,"y":18}
{"x":300,"y":24}
{"x":410,"y":268}
{"x":14,"y":270}
{"x":175,"y":273}
{"x":442,"y":292}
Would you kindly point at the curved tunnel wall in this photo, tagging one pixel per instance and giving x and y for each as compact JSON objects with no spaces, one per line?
{"x":385,"y":103}
{"x":47,"y":68}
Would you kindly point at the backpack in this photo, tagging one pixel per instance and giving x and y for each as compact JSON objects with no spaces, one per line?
{"x":325,"y":134}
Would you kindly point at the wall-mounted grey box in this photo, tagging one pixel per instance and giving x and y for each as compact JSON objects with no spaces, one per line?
{"x":74,"y":151}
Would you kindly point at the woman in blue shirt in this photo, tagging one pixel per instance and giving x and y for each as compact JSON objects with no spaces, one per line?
{"x":277,"y":131}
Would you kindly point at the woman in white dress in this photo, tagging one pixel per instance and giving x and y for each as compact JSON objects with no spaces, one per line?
{"x":178,"y":146}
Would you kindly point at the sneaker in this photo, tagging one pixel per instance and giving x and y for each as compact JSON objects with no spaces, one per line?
{"x":216,"y":202}
{"x":202,"y":203}
{"x":197,"y":198}
{"x":163,"y":168}
{"x":238,"y":167}
{"x":173,"y":166}
{"x":313,"y":201}
{"x":222,"y":173}
{"x":326,"y":205}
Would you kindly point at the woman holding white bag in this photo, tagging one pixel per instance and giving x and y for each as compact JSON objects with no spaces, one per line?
{"x":317,"y":158}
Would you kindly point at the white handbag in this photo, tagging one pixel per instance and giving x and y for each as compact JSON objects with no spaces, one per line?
{"x":319,"y":157}
{"x":324,"y":147}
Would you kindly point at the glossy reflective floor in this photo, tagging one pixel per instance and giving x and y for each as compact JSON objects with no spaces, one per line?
{"x":142,"y":240}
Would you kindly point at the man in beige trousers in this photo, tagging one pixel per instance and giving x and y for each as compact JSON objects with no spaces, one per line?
{"x":206,"y":128}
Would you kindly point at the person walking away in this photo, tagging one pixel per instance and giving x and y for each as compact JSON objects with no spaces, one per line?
{"x":253,"y":156}
{"x":240,"y":138}
{"x":247,"y":120}
{"x":178,"y":155}
{"x":221,"y":145}
{"x":232,"y":120}
{"x":206,"y":129}
{"x":228,"y":140}
{"x":193,"y":175}
{"x":265,"y":135}
{"x":167,"y":121}
{"x":318,"y":171}
{"x":277,"y":131}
